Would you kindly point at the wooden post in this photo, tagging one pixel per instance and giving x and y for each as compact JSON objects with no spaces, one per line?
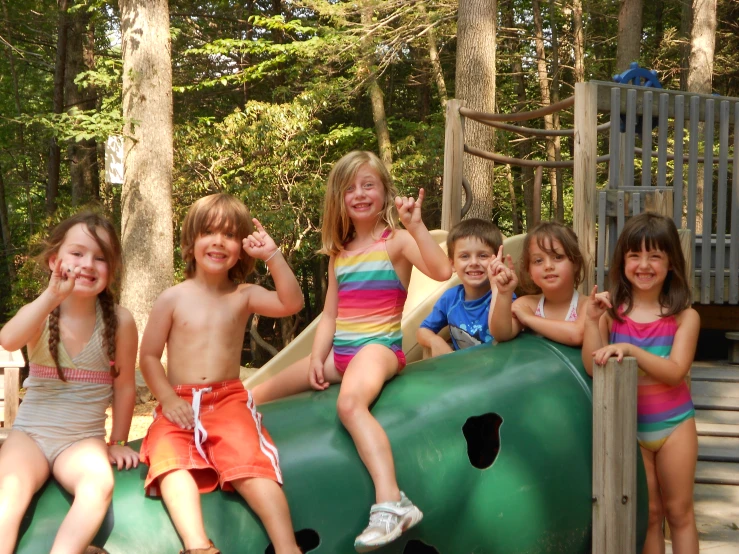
{"x":451,"y":203}
{"x":10,"y":363}
{"x":614,"y":457}
{"x":586,"y":152}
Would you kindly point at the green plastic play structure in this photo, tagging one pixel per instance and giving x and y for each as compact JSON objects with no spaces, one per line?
{"x":493,"y":443}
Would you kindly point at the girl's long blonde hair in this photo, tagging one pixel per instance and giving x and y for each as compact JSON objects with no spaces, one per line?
{"x":337,"y":228}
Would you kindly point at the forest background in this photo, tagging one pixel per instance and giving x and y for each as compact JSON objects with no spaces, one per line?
{"x":266,"y":95}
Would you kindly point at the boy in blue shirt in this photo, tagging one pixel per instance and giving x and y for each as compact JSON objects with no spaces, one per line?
{"x":471,"y":245}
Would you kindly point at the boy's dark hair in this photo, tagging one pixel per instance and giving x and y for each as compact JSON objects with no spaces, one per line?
{"x":652,"y":231}
{"x":485,"y":231}
{"x":544,"y":233}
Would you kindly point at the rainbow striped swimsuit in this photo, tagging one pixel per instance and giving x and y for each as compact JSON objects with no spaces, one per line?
{"x":371,"y":300}
{"x":660,"y":407}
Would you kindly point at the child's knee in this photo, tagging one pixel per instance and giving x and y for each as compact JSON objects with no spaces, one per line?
{"x":348,"y":406}
{"x":15,"y":489}
{"x":96,"y":486}
{"x":656,"y":512}
{"x":680,"y":513}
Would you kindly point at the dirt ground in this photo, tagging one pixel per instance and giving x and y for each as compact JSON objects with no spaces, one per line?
{"x":140,"y":422}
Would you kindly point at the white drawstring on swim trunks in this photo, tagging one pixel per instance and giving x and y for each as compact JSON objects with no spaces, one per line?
{"x":201,"y":435}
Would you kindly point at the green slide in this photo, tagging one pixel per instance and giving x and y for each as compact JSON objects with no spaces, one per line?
{"x":492,"y":443}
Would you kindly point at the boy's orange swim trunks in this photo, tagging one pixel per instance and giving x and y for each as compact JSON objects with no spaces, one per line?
{"x":229,"y":442}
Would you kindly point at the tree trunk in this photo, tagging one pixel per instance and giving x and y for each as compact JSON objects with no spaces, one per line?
{"x":700,"y":73}
{"x":686,"y":24}
{"x":526,"y":185}
{"x":702,"y":45}
{"x":375,"y":93}
{"x":546,"y":100}
{"x":436,"y":69}
{"x":475,"y":86}
{"x":629,"y":34}
{"x":83,"y":166}
{"x":556,"y":174}
{"x":52,"y":183}
{"x":146,"y":198}
{"x":5,"y":231}
{"x":578,"y":41}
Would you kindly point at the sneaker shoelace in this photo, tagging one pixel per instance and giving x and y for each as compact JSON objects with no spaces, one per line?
{"x":383,"y":520}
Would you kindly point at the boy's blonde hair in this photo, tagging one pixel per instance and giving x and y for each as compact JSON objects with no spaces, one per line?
{"x":217,"y":212}
{"x":485,"y":231}
{"x":337,"y":227}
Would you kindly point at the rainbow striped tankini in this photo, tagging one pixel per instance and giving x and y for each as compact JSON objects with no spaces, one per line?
{"x":371,"y":300}
{"x":660,"y":407}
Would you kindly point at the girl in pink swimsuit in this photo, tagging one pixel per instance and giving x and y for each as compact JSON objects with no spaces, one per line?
{"x":358,"y":340}
{"x":552,"y":268}
{"x":647,"y":315}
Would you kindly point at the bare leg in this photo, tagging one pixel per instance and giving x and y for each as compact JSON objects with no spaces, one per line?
{"x":367,"y":373}
{"x":266,"y":498}
{"x":182,"y":498}
{"x":655,"y":541}
{"x":23,"y":470}
{"x":84,"y":471}
{"x":675,"y":463}
{"x":291,"y":380}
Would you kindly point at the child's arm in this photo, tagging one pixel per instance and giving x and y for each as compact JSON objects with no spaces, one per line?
{"x":287,"y":298}
{"x":428,"y":333}
{"x":324,"y":338}
{"x":503,"y":326}
{"x":423,"y":252}
{"x":26,"y":326}
{"x":157,"y":330}
{"x":565,"y":332}
{"x":595,"y":331}
{"x":670,"y":371}
{"x":124,"y":390}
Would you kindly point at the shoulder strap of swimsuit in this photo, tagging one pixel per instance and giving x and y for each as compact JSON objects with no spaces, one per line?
{"x":540,"y":307}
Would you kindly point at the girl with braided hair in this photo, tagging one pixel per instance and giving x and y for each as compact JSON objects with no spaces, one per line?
{"x":82,"y":352}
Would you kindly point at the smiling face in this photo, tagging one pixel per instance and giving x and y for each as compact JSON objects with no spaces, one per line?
{"x":81,"y":251}
{"x":549,"y":266}
{"x":471,"y":259}
{"x":216,"y":250}
{"x":646,"y":269}
{"x":364,"y":198}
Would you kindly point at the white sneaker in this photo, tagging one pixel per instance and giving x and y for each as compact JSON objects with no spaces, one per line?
{"x":387,"y":522}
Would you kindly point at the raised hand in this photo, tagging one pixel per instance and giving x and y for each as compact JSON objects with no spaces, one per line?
{"x":409,"y":210}
{"x":598,"y":304}
{"x":259,"y":244}
{"x":502,"y":272}
{"x":61,"y":283}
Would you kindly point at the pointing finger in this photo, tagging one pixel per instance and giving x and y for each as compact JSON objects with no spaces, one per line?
{"x":421,"y":196}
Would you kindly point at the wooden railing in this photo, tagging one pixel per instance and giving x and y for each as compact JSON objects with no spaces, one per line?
{"x":10,"y":364}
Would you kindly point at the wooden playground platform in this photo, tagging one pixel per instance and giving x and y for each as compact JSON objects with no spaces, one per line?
{"x":715,"y":389}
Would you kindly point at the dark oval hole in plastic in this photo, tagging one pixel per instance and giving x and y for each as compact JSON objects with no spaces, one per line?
{"x":419,"y":547}
{"x":307,"y":540}
{"x":483,"y":439}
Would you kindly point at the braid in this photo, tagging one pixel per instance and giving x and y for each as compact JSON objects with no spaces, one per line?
{"x":54,"y":340}
{"x":111,"y":328}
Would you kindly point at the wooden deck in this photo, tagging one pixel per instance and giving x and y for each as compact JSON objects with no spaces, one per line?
{"x":715,"y":388}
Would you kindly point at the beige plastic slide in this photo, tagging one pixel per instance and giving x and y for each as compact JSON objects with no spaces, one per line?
{"x":423,"y":292}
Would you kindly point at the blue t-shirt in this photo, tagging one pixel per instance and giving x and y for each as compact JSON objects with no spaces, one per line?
{"x":467,"y":320}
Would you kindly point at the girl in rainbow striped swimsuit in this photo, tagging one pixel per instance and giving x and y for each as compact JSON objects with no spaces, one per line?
{"x":358,"y":341}
{"x":647,"y":315}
